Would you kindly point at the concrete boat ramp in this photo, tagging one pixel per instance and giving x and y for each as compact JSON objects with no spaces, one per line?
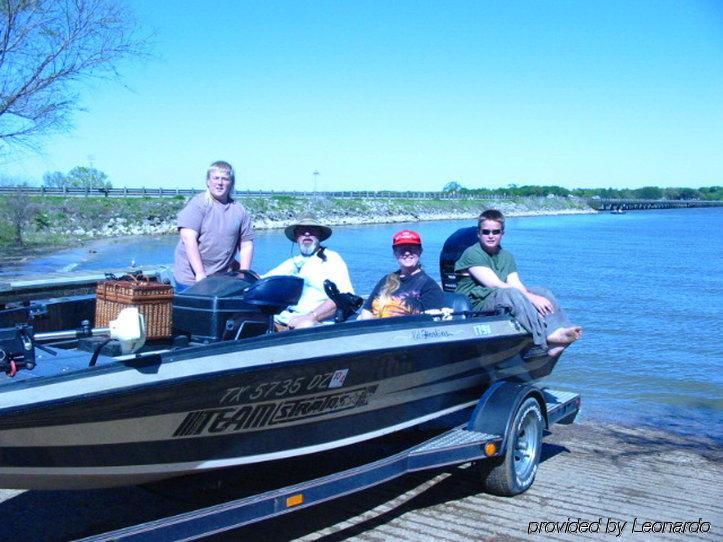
{"x":595,"y":482}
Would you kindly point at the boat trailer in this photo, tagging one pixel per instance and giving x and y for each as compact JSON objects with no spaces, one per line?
{"x":502,"y":434}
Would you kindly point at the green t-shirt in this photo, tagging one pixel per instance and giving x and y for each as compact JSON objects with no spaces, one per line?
{"x":502,"y":263}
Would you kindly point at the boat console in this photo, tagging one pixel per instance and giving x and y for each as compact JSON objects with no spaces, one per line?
{"x":232,"y":306}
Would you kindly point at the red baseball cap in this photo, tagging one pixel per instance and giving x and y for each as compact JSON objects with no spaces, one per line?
{"x":406,"y":237}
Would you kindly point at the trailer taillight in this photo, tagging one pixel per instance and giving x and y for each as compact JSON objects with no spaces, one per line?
{"x":295,"y":500}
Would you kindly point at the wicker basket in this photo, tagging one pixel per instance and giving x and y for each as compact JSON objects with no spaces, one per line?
{"x":153,"y":300}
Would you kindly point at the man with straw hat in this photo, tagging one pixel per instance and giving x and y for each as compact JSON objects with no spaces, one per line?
{"x":315,"y":264}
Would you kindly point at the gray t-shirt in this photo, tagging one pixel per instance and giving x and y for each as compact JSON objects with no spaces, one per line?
{"x":502,"y":263}
{"x":220,"y":228}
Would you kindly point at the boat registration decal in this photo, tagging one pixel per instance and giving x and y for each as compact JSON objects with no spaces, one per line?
{"x":273,"y":413}
{"x":282,"y":388}
{"x":424,"y":334}
{"x":337,"y":379}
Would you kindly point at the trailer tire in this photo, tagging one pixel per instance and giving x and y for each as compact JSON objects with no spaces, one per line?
{"x":514,"y":472}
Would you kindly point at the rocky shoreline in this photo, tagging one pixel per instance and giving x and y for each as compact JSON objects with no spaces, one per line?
{"x":422,"y":217}
{"x":59,"y":223}
{"x":272,"y":213}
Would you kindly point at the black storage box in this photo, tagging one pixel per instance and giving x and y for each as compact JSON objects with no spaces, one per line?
{"x":224,"y":307}
{"x":204,"y":310}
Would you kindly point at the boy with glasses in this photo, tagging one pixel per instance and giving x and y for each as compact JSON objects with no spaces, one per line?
{"x":487,"y":275}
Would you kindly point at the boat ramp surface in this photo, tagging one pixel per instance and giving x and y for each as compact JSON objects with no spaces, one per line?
{"x":612,"y":482}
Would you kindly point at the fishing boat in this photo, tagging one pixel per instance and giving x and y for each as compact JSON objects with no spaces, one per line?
{"x":79,"y":409}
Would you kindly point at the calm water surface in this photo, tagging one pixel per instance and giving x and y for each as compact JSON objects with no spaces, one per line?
{"x":646,"y":286}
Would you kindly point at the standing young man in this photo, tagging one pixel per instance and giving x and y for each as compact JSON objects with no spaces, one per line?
{"x":212,"y":228}
{"x":487,"y":275}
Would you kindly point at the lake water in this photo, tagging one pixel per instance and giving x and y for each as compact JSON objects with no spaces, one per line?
{"x":646,"y":286}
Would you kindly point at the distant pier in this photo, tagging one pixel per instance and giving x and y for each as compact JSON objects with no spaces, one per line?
{"x":600,"y":204}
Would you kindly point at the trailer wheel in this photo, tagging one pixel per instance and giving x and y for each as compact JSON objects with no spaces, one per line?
{"x":514,"y":472}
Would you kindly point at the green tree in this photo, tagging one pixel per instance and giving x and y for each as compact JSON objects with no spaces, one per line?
{"x":87,"y":177}
{"x":714,"y":193}
{"x":54,"y":180}
{"x":688,"y":193}
{"x":18,"y":211}
{"x":452,"y":187}
{"x":648,"y":192}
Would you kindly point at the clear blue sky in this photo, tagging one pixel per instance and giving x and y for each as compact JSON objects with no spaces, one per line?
{"x":410,"y":95}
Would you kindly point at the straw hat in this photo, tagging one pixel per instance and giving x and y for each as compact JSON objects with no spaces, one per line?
{"x":309,"y":221}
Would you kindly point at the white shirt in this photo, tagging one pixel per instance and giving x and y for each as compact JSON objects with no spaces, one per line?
{"x":314,"y":271}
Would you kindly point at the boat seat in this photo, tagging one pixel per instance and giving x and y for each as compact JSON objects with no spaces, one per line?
{"x":457,"y":302}
{"x":273,"y":294}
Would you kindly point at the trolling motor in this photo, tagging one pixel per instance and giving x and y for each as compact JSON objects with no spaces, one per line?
{"x":18,"y":344}
{"x":16,"y":349}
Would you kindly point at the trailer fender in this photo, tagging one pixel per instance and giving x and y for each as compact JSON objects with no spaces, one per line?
{"x":496,"y":409}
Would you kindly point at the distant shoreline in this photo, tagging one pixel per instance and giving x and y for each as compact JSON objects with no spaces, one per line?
{"x":331,"y":220}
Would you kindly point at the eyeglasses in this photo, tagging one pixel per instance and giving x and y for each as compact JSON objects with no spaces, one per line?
{"x":491,"y":232}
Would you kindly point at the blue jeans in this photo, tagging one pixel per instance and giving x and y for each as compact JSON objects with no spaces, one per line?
{"x":526,"y":313}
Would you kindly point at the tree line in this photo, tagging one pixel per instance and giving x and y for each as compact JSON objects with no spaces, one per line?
{"x":646,"y":192}
{"x":90,"y":177}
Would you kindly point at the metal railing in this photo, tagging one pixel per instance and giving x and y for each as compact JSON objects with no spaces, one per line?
{"x":172,"y":192}
{"x":125,"y":192}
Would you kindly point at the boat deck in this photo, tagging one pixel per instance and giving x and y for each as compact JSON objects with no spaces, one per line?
{"x":588,"y":472}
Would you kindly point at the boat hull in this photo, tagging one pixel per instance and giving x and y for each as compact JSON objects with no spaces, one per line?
{"x":251,"y":401}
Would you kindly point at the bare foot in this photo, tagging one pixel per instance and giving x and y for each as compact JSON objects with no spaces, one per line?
{"x":565,"y":335}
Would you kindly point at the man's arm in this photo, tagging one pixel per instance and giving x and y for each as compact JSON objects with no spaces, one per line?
{"x":246,"y":253}
{"x":189,"y":238}
{"x":320,"y":313}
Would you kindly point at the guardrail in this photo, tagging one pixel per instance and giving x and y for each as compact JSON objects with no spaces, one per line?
{"x":594,"y":202}
{"x":172,"y":192}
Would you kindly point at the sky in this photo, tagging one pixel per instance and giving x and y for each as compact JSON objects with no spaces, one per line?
{"x":407,"y":95}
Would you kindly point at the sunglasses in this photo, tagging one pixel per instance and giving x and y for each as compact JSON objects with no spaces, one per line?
{"x":401,"y":250}
{"x":491,"y":232}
